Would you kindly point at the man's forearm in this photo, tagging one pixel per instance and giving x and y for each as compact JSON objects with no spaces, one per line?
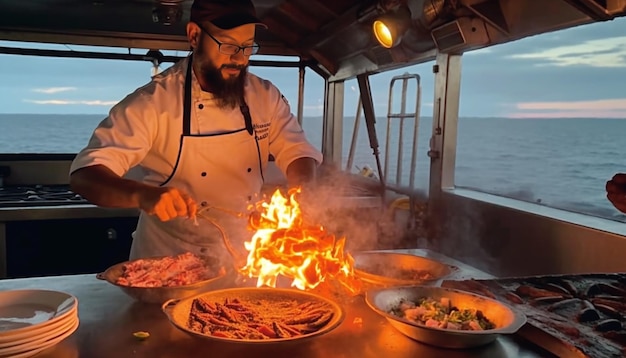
{"x":301,"y":171}
{"x":102,"y":187}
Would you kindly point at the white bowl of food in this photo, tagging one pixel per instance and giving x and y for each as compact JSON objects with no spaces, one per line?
{"x":385,"y":269}
{"x":158,"y":279}
{"x":445,"y":317}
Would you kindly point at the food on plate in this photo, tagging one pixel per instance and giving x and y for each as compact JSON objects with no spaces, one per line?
{"x":416,"y":274}
{"x":442,"y":314}
{"x":257,"y":319}
{"x":411,"y":274}
{"x":400,"y":273}
{"x":183,"y":269}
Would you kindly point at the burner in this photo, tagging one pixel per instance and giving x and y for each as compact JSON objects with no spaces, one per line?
{"x":38,"y":195}
{"x":584,"y":313}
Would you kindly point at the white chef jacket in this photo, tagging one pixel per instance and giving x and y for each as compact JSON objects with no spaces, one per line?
{"x":222,"y":167}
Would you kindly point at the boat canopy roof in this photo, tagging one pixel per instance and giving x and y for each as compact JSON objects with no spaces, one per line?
{"x":334,"y":37}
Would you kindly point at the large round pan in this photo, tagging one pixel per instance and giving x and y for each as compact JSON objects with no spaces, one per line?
{"x":178,"y":311}
{"x":162,"y":294}
{"x":385,"y":269}
{"x":506,"y":319}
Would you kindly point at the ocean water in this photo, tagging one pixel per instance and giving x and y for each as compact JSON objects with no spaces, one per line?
{"x":561,"y":163}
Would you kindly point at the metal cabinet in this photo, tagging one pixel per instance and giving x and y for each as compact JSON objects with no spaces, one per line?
{"x":66,"y":246}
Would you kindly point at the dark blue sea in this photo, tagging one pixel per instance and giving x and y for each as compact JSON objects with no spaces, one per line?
{"x":562,"y":163}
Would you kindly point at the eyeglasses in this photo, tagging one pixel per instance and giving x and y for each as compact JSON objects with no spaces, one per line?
{"x":230,"y":49}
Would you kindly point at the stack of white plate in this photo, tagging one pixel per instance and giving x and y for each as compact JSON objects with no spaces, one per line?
{"x":34,"y":320}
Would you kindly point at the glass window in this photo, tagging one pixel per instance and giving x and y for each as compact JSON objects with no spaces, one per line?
{"x":53,"y":104}
{"x":543,"y":119}
{"x":380,"y":84}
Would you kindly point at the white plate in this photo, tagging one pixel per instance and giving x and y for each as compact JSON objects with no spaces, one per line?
{"x":21,"y":310}
{"x":36,"y":341}
{"x":43,"y":346}
{"x":9,"y":339}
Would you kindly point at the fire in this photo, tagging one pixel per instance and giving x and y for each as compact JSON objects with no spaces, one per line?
{"x":283,"y":245}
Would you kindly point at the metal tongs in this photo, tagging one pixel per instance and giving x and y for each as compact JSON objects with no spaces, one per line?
{"x":202,"y":214}
{"x":227,"y":211}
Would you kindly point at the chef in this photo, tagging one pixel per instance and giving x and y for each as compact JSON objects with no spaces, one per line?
{"x":198,"y":136}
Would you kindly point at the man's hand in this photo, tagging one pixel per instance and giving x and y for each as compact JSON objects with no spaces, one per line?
{"x":167,"y":203}
{"x":103,"y":187}
{"x":301,"y":172}
{"x":616,"y":191}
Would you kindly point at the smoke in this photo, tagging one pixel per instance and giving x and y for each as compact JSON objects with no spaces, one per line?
{"x":350,"y":206}
{"x":344,"y":209}
{"x":462,"y":237}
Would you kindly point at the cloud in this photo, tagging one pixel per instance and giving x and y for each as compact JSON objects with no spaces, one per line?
{"x":569,"y":114}
{"x":601,"y":104}
{"x":608,"y":52}
{"x":68,"y":102}
{"x":604,"y":108}
{"x":52,"y":90}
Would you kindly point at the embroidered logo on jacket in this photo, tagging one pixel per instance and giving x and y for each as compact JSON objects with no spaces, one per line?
{"x":262,"y":130}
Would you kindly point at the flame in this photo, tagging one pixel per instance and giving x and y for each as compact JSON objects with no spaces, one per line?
{"x":283,"y":245}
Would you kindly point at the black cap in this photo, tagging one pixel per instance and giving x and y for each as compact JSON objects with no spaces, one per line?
{"x":225,"y":14}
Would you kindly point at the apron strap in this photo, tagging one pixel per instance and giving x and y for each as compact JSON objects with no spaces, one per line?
{"x":245,"y":111}
{"x":187,"y":100}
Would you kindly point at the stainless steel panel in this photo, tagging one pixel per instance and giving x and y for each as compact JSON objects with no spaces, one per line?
{"x":527,"y":239}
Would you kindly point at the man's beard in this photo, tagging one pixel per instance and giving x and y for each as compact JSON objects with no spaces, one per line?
{"x":227,"y":92}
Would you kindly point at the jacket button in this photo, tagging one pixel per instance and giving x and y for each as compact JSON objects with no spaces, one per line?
{"x":204,"y":203}
{"x":249,"y":170}
{"x":203,"y":174}
{"x":200,"y":106}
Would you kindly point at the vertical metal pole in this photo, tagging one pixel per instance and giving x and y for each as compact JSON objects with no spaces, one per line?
{"x":355,"y":135}
{"x":370,"y":121}
{"x":301,"y":73}
{"x":415,"y":132}
{"x":442,"y":151}
{"x":332,"y":142}
{"x":388,"y":134}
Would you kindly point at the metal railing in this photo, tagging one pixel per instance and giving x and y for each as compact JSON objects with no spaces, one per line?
{"x":402,"y":116}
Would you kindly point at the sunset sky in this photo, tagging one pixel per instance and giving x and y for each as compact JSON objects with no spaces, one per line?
{"x":579,"y":72}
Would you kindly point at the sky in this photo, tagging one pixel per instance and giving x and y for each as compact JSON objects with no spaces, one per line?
{"x":578,"y":72}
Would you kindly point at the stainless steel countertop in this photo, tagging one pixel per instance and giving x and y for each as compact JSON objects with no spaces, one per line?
{"x":78,"y":211}
{"x":108,"y":318}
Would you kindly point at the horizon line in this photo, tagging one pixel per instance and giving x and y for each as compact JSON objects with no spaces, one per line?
{"x":345,"y":116}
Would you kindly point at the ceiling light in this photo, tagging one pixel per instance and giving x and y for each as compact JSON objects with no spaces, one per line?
{"x":391,"y":26}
